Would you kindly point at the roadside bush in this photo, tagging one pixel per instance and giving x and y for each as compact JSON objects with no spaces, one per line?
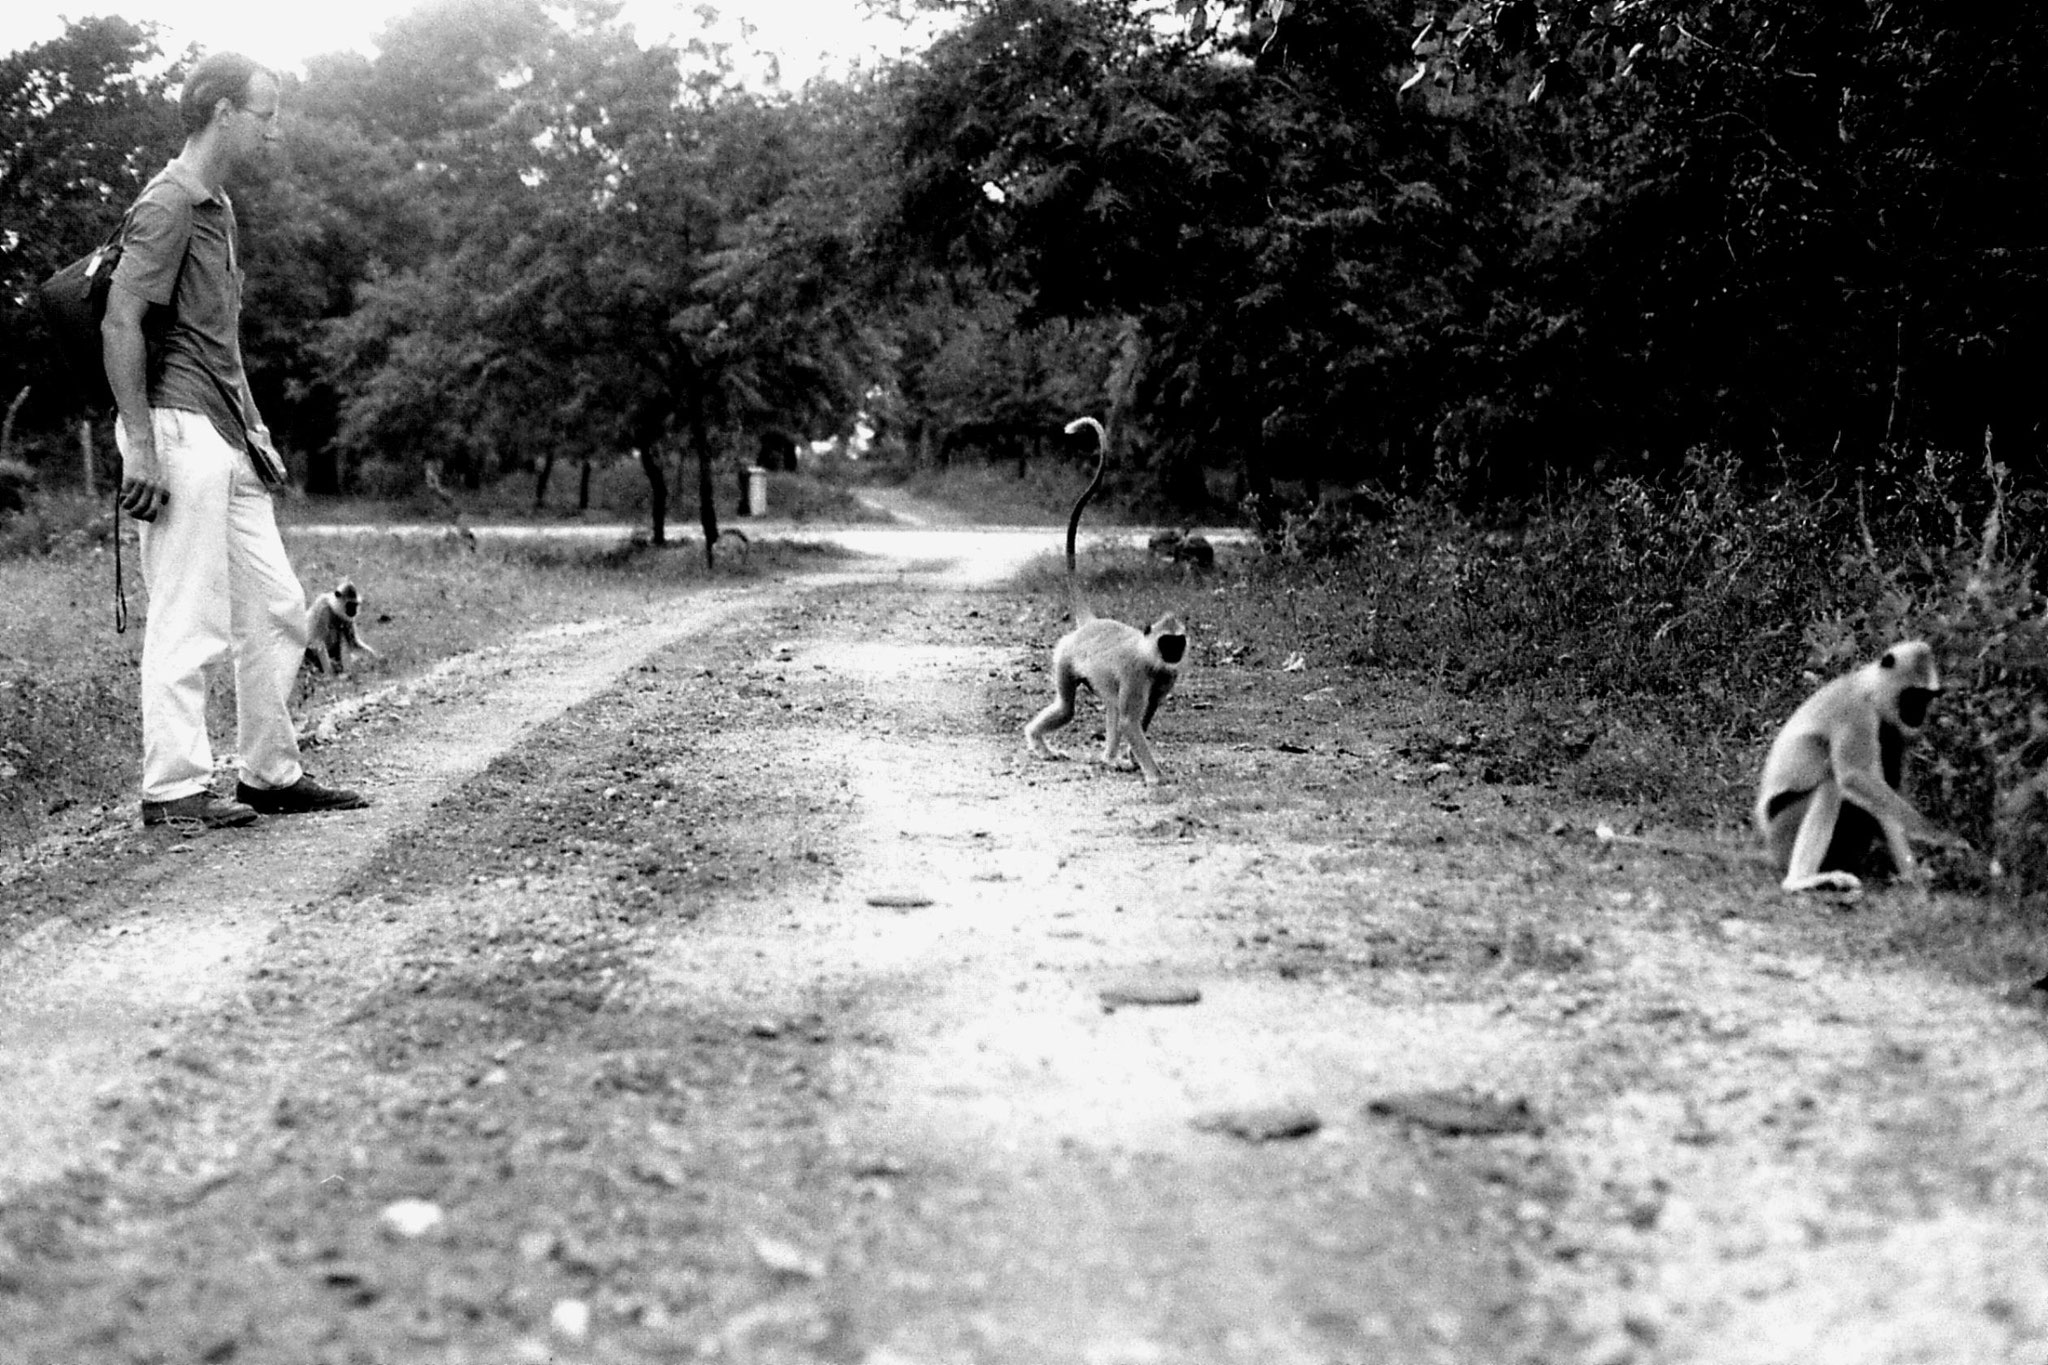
{"x":991,"y":493}
{"x":1647,"y":638}
{"x":17,"y":481}
{"x":1951,"y":556}
{"x":805,"y":497}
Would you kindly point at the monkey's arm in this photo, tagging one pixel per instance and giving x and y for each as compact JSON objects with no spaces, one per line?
{"x":1861,"y":779}
{"x":1854,"y":758}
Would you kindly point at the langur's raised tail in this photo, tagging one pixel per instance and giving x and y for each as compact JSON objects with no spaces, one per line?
{"x":1080,"y":608}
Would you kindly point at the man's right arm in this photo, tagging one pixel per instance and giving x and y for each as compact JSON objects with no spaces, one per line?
{"x":124,"y":353}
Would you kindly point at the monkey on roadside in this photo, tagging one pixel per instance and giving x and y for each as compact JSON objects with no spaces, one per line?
{"x":1831,"y":781}
{"x":331,"y":626}
{"x":1184,"y":547}
{"x":1131,"y":670}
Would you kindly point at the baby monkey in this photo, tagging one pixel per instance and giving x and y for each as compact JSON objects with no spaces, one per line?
{"x":331,"y":628}
{"x":1831,"y":781}
{"x":1132,"y":670}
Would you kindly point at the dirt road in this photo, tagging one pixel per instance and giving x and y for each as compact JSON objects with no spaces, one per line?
{"x":727,"y":985}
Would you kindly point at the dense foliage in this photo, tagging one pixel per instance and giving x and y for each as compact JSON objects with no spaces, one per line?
{"x":1464,"y":246}
{"x":1671,"y":342}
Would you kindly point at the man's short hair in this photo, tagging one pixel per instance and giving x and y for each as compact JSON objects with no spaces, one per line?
{"x":218,"y":76}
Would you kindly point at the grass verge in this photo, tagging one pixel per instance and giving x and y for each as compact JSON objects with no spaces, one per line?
{"x":70,"y":725}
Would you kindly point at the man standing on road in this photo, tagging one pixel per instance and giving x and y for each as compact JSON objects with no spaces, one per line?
{"x":197,"y":465}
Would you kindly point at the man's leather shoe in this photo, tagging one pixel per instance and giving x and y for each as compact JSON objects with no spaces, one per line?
{"x":300,"y":797}
{"x":200,"y":810}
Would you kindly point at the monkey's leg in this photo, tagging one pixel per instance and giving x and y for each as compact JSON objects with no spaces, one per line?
{"x":1053,"y":717}
{"x":1114,"y":704}
{"x":1155,"y":694}
{"x":1823,"y":806}
{"x":1141,"y":750}
{"x":1129,"y":705}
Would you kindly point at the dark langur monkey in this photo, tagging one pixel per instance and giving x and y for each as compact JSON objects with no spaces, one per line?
{"x":331,"y":625}
{"x":1831,"y":781}
{"x":1132,"y":670}
{"x":1184,"y":547}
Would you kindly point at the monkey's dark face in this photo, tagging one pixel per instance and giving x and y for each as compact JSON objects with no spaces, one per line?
{"x":1913,"y":704}
{"x":346,"y":598}
{"x":1909,"y":666}
{"x":1170,"y":638}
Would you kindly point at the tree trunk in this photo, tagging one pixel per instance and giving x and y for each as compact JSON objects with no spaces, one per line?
{"x":540,"y":480}
{"x":323,"y":472}
{"x":87,"y":465}
{"x":1891,"y":418}
{"x":7,"y":430}
{"x":707,"y":507}
{"x":583,"y":487}
{"x":657,"y":490}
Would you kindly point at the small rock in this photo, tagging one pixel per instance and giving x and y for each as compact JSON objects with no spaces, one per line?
{"x":1457,"y":1113}
{"x":412,"y":1217}
{"x":899,"y":900}
{"x":570,"y":1318}
{"x":785,"y":1258}
{"x":1269,"y":1123}
{"x":1149,"y":993}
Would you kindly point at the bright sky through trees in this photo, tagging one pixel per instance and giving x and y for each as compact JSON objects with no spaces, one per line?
{"x":805,"y":37}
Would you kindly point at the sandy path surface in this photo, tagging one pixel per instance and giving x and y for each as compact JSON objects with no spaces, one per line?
{"x":734,"y":987}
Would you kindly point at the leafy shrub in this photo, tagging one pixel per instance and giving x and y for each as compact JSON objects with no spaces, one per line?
{"x":17,"y":481}
{"x":804,"y":497}
{"x":1952,"y":558}
{"x":991,"y":492}
{"x":1657,"y":632}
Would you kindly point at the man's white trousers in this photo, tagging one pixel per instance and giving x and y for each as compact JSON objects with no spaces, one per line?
{"x":219,"y":586}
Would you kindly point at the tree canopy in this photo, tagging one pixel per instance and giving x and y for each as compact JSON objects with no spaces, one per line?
{"x":1475,"y":246}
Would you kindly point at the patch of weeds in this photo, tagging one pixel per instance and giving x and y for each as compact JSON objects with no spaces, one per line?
{"x":1530,"y":745}
{"x":993,"y":494}
{"x":800,"y":498}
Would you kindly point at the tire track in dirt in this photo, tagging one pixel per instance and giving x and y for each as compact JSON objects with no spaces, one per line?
{"x":79,"y":1004}
{"x":1067,"y":1208}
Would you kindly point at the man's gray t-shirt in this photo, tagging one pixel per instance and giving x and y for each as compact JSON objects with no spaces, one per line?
{"x":198,"y":366}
